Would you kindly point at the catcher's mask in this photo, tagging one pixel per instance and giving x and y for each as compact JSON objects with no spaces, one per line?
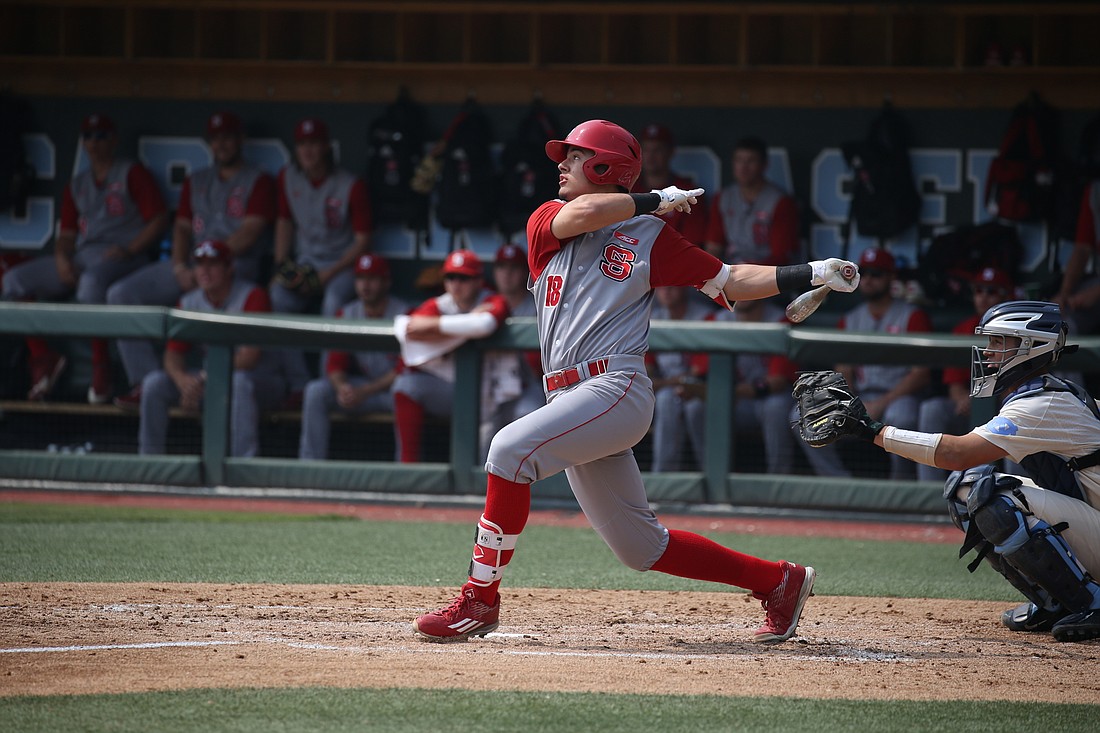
{"x":1041,"y":334}
{"x":618,"y":156}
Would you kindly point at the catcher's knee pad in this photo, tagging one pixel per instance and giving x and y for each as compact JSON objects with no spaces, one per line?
{"x":1037,"y":550}
{"x":492,"y":551}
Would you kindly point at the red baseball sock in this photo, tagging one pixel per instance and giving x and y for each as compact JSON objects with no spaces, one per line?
{"x":101,"y":355}
{"x":409,"y":419}
{"x":507,"y":506}
{"x":689,"y":555}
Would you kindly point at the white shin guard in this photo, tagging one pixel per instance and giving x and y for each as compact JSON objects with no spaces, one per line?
{"x":490,"y":544}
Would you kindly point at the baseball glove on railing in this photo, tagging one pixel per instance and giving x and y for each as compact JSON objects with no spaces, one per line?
{"x":301,"y":279}
{"x":827,"y":410}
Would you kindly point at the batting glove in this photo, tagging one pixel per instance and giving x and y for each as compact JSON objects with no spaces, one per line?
{"x":840,"y":275}
{"x":676,"y":198}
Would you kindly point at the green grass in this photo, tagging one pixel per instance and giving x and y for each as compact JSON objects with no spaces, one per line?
{"x":110,"y":544}
{"x":106,"y":544}
{"x":401,"y":711}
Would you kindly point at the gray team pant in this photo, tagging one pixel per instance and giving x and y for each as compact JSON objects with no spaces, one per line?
{"x":153,"y":284}
{"x":319,"y":402}
{"x":672,"y":417}
{"x":340,"y":290}
{"x":432,"y":393}
{"x":588,"y":431}
{"x":37,"y":279}
{"x":903,"y":413}
{"x":252,"y":392}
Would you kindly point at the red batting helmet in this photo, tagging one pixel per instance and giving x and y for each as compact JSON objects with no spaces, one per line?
{"x":617,"y":159}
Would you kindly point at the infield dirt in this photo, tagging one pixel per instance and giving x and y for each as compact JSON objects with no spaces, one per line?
{"x":76,"y":638}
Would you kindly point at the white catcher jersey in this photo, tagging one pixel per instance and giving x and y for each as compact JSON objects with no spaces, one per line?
{"x":1052,"y":422}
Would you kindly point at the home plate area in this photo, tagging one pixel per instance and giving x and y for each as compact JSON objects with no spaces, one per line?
{"x":75,"y":638}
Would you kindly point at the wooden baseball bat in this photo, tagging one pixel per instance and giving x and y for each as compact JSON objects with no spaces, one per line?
{"x":804,"y":305}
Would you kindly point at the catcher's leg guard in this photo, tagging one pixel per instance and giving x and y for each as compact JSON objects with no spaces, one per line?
{"x":1037,"y":551}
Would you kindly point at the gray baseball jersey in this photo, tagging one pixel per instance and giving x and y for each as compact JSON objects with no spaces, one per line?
{"x":900,"y":317}
{"x":108,"y":214}
{"x":747,"y":223}
{"x":218,"y":208}
{"x":374,"y":364}
{"x":321,"y":216}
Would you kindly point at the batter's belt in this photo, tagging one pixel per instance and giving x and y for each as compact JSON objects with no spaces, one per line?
{"x":579,"y":372}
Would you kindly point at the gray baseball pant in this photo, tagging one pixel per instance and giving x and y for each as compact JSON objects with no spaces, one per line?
{"x":252,"y":392}
{"x":318,"y":404}
{"x":672,"y":417}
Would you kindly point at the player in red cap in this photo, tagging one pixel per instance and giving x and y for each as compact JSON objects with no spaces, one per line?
{"x":258,"y":382}
{"x":425,"y":383}
{"x":658,"y":147}
{"x":112,"y":213}
{"x":353,"y":383}
{"x":231,"y":201}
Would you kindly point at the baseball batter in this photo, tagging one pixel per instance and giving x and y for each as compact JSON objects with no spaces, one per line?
{"x":231,"y":201}
{"x":1042,"y":533}
{"x":595,"y":256}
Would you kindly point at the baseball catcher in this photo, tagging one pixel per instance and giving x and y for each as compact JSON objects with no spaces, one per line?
{"x":827,"y":410}
{"x":1040,"y":531}
{"x":299,"y":278}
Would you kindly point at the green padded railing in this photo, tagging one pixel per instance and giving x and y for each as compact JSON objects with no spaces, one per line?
{"x":221,"y":332}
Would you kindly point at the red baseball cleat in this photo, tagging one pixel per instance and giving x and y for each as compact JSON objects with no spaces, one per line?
{"x":784,"y":604}
{"x":467,"y":616}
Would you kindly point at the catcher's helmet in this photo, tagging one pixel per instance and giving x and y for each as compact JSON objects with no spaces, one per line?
{"x":618,"y":156}
{"x":1042,"y":334}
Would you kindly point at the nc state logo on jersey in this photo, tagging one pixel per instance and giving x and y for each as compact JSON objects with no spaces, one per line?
{"x":333,"y":219}
{"x":115,"y":205}
{"x":235,"y":205}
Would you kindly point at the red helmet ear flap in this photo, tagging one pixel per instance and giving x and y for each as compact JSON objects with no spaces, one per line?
{"x":618,"y":156}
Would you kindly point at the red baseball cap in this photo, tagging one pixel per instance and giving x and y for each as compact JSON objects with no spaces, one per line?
{"x":995,"y":277}
{"x":212,"y":249}
{"x":876,"y":258}
{"x":226,"y":122}
{"x":97,"y":122}
{"x":462,"y":262}
{"x":654,"y":131}
{"x":311,"y":128}
{"x":511,"y":254}
{"x":372,"y":265}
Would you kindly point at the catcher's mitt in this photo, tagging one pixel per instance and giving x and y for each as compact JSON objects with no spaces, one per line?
{"x":827,"y":410}
{"x":301,"y":279}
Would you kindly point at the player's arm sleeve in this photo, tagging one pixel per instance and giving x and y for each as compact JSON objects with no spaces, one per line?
{"x":258,"y":301}
{"x":678,"y":262}
{"x":919,"y":322}
{"x":359,"y":205}
{"x":261,"y":202}
{"x":145,"y":192}
{"x":1086,"y":226}
{"x":541,"y":242}
{"x":784,"y":232}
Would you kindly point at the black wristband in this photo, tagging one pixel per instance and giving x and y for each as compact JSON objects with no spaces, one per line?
{"x":761,"y":388}
{"x":645,"y":203}
{"x":793,"y":277}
